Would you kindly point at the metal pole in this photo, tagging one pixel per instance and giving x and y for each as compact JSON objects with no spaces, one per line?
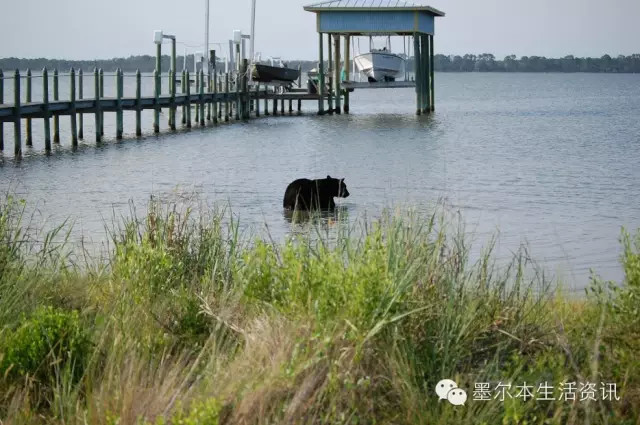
{"x":206,"y":33}
{"x":45,"y":102}
{"x":16,"y":108}
{"x":72,"y":98}
{"x":56,"y":118}
{"x":80,"y":96}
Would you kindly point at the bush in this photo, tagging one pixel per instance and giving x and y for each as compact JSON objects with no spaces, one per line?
{"x":48,"y":341}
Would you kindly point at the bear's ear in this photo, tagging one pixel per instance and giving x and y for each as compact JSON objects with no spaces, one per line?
{"x":342,"y":180}
{"x":328,"y":176}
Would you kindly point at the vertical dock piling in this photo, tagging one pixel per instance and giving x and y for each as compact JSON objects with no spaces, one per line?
{"x":156,"y":92}
{"x":183,"y":83}
{"x":138,"y":103}
{"x":432,"y":73}
{"x":266,"y":100}
{"x":80,"y":96}
{"x":197,"y":77}
{"x":226,"y":97}
{"x":45,"y":110}
{"x":29,"y":140}
{"x":330,"y":71}
{"x":96,"y":88}
{"x":347,"y":69}
{"x":16,"y":115}
{"x":215,"y":93}
{"x":1,"y":102}
{"x":72,"y":100}
{"x":201,"y":98}
{"x":172,"y":100}
{"x":258,"y":100}
{"x":101,"y":97}
{"x":119,"y":92}
{"x":336,"y":74}
{"x":188,"y":101}
{"x":321,"y":75}
{"x":418,"y":72}
{"x":56,"y":117}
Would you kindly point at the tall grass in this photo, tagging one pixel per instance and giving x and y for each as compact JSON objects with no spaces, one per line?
{"x":190,"y":323}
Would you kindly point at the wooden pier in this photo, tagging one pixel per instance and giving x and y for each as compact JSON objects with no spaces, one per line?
{"x":214,"y":100}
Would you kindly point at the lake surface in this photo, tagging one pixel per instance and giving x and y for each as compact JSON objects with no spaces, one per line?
{"x":551,"y":160}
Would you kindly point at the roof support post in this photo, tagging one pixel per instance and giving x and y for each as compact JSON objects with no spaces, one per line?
{"x":320,"y":77}
{"x":336,"y":74}
{"x":417,"y":63}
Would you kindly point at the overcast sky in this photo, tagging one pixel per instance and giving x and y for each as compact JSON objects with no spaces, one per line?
{"x":89,"y":29}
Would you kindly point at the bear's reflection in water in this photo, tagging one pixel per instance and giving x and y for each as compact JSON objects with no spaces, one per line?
{"x":302,"y":220}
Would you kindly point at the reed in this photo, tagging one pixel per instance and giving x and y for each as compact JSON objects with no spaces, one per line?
{"x":190,"y":321}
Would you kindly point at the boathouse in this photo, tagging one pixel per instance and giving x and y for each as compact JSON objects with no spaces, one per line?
{"x":354,"y":18}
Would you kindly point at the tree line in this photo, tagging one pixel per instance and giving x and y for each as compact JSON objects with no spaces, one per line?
{"x":485,"y":62}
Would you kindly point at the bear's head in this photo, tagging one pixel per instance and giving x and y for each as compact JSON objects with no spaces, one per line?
{"x":339,"y":187}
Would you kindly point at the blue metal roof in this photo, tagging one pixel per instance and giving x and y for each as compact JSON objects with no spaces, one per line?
{"x":371,"y":5}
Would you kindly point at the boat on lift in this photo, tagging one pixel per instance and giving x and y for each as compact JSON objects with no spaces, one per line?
{"x":380,"y":64}
{"x":275,"y":71}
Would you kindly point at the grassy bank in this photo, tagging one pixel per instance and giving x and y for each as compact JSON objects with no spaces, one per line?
{"x":187,"y":323}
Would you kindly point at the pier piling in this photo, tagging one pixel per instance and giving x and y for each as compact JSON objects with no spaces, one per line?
{"x":418,"y":73}
{"x":101,"y":97}
{"x":1,"y":102}
{"x":183,"y":84}
{"x":172,"y":100}
{"x":16,"y":115}
{"x":29,"y":140}
{"x":156,"y":92}
{"x":56,"y":117}
{"x":330,"y":75}
{"x":432,"y":73}
{"x":138,"y":103}
{"x":119,"y":92}
{"x":201,"y":98}
{"x":347,"y":70}
{"x":72,"y":100}
{"x":96,"y":88}
{"x":320,"y":88}
{"x":336,"y":73}
{"x":226,"y":97}
{"x":80,"y":96}
{"x":45,"y":109}
{"x":188,"y":85}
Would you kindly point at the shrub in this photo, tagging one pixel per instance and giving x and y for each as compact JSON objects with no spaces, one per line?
{"x":49,"y":340}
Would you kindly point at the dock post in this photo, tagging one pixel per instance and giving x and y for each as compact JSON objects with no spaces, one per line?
{"x":72,"y":116}
{"x":282,"y":105}
{"x":258,"y":100}
{"x":197,"y":77}
{"x":213,"y":109}
{"x":431,"y":71}
{"x":174,"y":69}
{"x":45,"y":107}
{"x":56,"y":117}
{"x":156,"y":109}
{"x":29,"y":141}
{"x":159,"y":67}
{"x":215,"y":95}
{"x":201,"y":100}
{"x":246,"y":95}
{"x":266,"y":100}
{"x":299,"y":106}
{"x":172,"y":100}
{"x":347,"y":70}
{"x":80,"y":96}
{"x":336,"y":75}
{"x":119,"y":91}
{"x":101,"y":97}
{"x":290,"y":106}
{"x":16,"y":115}
{"x":1,"y":102}
{"x":138,"y":104}
{"x":183,"y":83}
{"x":417,"y":69}
{"x":237,"y":90}
{"x":188,"y":101}
{"x":220,"y":90}
{"x":321,"y":76}
{"x":275,"y":103}
{"x":330,"y":70}
{"x":427,"y":74}
{"x":96,"y":77}
{"x":226,"y":97}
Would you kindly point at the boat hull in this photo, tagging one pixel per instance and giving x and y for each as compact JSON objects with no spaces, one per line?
{"x":379,"y":66}
{"x":268,"y":74}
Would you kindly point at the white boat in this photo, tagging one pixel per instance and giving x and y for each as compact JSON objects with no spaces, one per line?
{"x":380,"y":64}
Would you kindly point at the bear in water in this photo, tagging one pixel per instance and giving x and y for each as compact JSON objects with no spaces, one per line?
{"x":305,"y":194}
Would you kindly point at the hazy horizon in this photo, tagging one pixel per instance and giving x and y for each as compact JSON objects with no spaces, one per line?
{"x":68,"y":30}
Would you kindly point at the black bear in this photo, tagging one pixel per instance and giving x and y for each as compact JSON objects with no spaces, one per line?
{"x":305,"y":194}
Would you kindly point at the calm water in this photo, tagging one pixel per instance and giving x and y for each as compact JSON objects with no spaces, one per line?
{"x":551,"y":160}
